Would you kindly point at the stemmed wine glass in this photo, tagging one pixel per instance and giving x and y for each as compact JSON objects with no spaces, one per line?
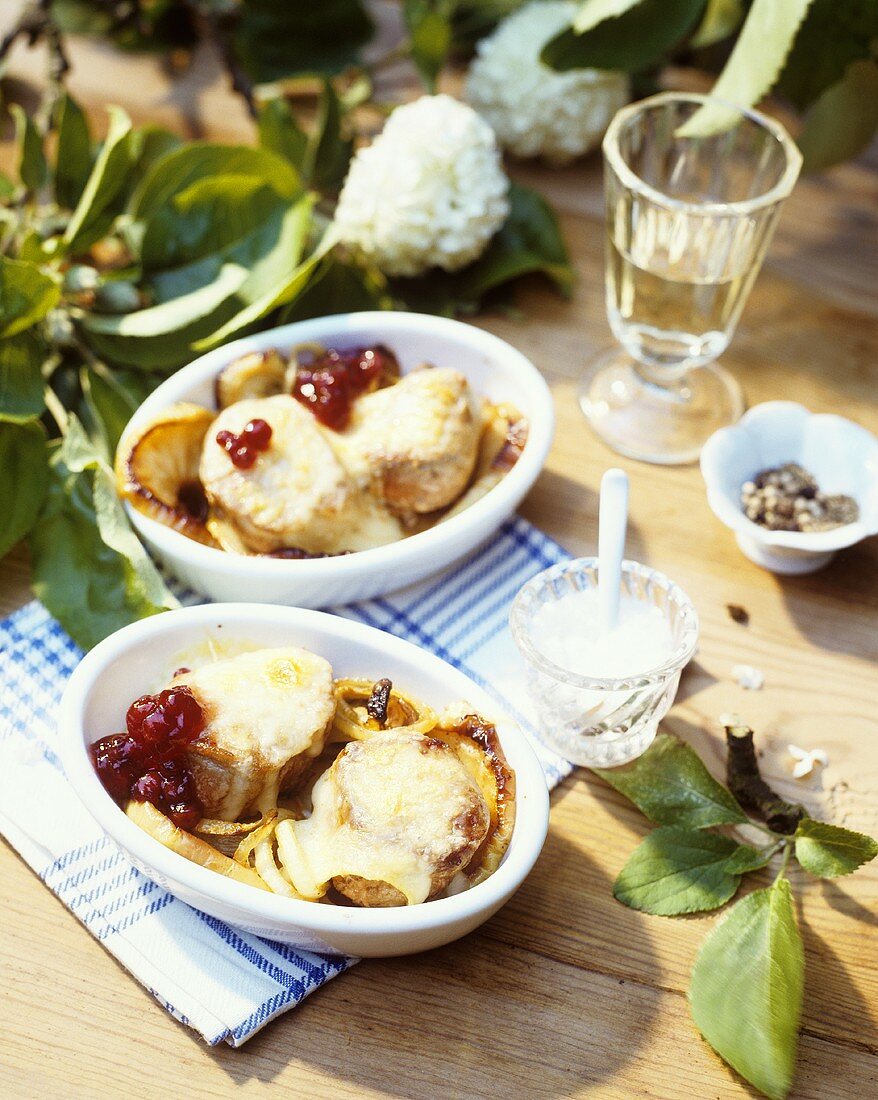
{"x":693,"y":187}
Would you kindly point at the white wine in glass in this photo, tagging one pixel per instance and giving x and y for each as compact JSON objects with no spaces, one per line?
{"x":693,"y":191}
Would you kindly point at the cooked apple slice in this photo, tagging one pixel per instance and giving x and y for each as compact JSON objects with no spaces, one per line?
{"x":259,"y":374}
{"x":475,"y":743}
{"x":157,"y":469}
{"x":162,"y":829}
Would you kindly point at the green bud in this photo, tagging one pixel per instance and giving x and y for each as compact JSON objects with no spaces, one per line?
{"x":59,"y":328}
{"x":117,"y":297}
{"x":80,"y":279}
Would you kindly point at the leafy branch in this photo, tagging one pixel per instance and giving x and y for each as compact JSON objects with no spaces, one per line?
{"x":746,"y":987}
{"x":122,"y":260}
{"x":819,"y":55}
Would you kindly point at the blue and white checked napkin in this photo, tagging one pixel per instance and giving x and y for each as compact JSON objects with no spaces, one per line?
{"x":224,"y":983}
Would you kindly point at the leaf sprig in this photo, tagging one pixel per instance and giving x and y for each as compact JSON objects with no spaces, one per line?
{"x":819,"y":55}
{"x":745,"y":991}
{"x":120,"y":261}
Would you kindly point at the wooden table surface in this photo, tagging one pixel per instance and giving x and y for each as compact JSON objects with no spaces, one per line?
{"x":565,"y":992}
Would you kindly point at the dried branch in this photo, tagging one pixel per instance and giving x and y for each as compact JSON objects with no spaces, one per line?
{"x":751,"y":790}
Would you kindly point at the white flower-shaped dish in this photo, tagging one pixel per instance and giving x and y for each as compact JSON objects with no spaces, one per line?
{"x":841,"y":455}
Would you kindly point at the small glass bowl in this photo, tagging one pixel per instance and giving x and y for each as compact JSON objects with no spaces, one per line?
{"x":592,"y":721}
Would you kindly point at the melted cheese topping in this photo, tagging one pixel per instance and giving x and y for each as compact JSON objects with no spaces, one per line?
{"x":262,"y":710}
{"x":298,"y":493}
{"x":423,"y":431}
{"x":393,"y":809}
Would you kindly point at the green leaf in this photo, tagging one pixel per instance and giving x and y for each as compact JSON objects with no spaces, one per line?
{"x":162,"y":335}
{"x":640,"y":36}
{"x":833,"y":34}
{"x":21,"y":380}
{"x":112,"y":397}
{"x":280,"y":132}
{"x":592,"y":12}
{"x":24,"y":477}
{"x":430,"y":33}
{"x":671,"y":785}
{"x":7,"y":187}
{"x":721,"y":18}
{"x":32,"y":167}
{"x":338,"y":287}
{"x":82,"y":17}
{"x":473,"y":19}
{"x":529,"y":242}
{"x":276,"y":39}
{"x":200,"y":199}
{"x":209,"y":216}
{"x":83,"y":582}
{"x":148,"y":145}
{"x":747,"y":858}
{"x":89,"y":568}
{"x":296,"y":228}
{"x":829,"y":851}
{"x":329,"y":153}
{"x":746,"y":988}
{"x":73,"y":160}
{"x":26,"y":296}
{"x":755,"y":63}
{"x":678,"y":871}
{"x":207,"y":300}
{"x":179,"y":169}
{"x":843,"y":120}
{"x":93,"y":213}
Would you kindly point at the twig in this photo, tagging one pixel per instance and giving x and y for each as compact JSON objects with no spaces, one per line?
{"x":37,"y":23}
{"x":31,"y":25}
{"x":784,"y":863}
{"x":219,"y":32}
{"x":751,"y":790}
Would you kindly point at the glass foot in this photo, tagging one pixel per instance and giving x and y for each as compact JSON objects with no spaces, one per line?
{"x":667,"y":425}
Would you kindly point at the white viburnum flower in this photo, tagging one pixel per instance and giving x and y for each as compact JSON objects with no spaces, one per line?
{"x":429,"y":191}
{"x":805,"y":760}
{"x":533,"y":110}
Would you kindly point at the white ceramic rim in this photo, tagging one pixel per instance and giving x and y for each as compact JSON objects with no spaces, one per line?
{"x":682,"y":654}
{"x":532,"y":813}
{"x":631,"y":180}
{"x":504,"y":496}
{"x":728,"y":509}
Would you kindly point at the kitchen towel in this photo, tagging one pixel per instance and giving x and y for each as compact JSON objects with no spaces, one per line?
{"x":224,"y":983}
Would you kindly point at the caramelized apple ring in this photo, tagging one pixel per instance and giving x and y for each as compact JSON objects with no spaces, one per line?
{"x":162,"y":829}
{"x":475,"y":743}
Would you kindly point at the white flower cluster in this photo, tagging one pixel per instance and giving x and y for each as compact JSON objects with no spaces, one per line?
{"x":429,"y":191}
{"x":534,"y":110}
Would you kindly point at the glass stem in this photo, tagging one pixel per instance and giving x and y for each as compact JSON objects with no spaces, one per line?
{"x":669,"y":381}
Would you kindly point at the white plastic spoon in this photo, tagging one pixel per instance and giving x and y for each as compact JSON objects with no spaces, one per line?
{"x":612,"y":525}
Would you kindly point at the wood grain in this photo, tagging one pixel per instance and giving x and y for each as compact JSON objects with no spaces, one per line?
{"x":565,"y":992}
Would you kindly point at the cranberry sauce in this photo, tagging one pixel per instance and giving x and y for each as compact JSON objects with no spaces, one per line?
{"x":329,"y":384}
{"x":148,"y":761}
{"x":244,"y":448}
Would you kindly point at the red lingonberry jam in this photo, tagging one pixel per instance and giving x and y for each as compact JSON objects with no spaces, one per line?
{"x":331,"y":382}
{"x":148,"y":762}
{"x":243,"y":449}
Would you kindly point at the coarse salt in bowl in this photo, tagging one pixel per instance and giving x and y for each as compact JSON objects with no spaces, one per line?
{"x":592,"y":720}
